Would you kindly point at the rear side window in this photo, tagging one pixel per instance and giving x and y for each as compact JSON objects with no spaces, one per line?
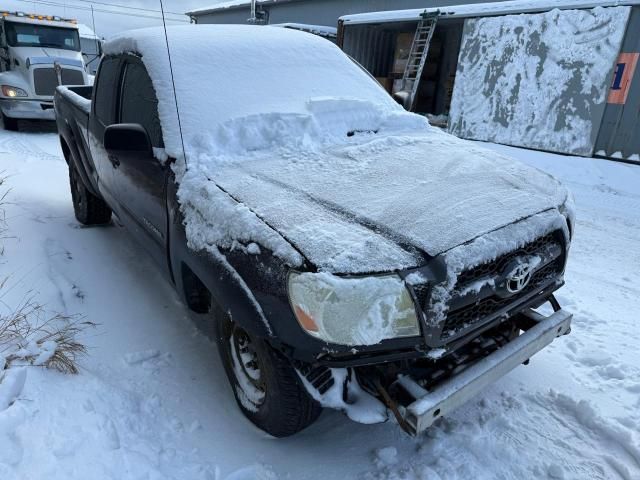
{"x":105,"y":94}
{"x":139,"y":103}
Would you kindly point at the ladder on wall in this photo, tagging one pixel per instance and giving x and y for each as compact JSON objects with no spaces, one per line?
{"x":418,"y":57}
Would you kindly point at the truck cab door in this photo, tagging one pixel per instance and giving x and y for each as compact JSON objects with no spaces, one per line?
{"x":138,"y":179}
{"x":104,"y":114}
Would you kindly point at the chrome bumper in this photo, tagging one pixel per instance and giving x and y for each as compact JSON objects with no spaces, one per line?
{"x":28,"y":109}
{"x":446,"y":397}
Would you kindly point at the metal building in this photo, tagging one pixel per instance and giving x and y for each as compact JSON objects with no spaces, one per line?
{"x":310,"y":12}
{"x":555,"y":75}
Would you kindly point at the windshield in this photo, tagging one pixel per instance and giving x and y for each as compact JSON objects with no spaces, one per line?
{"x":30,"y":35}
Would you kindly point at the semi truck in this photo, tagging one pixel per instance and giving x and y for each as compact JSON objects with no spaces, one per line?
{"x":37,"y":53}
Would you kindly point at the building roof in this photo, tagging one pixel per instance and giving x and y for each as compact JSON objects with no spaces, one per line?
{"x":232,"y":5}
{"x":322,"y":30}
{"x":481,"y":9}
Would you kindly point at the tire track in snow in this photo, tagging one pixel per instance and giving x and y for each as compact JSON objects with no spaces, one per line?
{"x":23,"y":144}
{"x":58,"y":262}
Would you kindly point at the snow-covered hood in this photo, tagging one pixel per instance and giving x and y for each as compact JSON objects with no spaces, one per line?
{"x":380,"y":204}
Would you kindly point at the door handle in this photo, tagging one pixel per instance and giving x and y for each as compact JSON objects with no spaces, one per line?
{"x":115,"y":161}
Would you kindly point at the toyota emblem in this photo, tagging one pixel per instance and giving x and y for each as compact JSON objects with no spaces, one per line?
{"x":519,"y":278}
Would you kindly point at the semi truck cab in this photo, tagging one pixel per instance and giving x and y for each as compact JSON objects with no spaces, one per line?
{"x":37,"y":53}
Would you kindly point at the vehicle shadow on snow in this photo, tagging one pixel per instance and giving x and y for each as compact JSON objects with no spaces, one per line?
{"x":35,"y":126}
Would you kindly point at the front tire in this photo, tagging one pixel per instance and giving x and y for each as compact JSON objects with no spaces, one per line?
{"x":88,"y":209}
{"x":10,"y":124}
{"x":265,"y":384}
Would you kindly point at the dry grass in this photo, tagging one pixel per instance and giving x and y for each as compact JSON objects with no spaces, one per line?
{"x":29,"y":330}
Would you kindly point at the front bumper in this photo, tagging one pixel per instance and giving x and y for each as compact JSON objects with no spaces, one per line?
{"x":28,"y":109}
{"x":428,"y":406}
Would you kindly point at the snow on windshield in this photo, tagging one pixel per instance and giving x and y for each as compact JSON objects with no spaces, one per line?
{"x":250,"y":87}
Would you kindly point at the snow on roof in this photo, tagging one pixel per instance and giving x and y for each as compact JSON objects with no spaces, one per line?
{"x":240,"y":74}
{"x":321,"y":30}
{"x":230,"y":4}
{"x":481,"y":9}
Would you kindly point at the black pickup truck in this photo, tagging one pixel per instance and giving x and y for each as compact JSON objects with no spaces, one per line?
{"x":386,"y":273}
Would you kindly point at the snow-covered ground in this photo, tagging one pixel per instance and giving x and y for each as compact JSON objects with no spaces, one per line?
{"x":152,"y":401}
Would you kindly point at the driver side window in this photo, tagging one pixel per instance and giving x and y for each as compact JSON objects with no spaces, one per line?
{"x":139,"y":103}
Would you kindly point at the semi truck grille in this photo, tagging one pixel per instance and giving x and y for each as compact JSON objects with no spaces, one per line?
{"x":484,"y":309}
{"x":45,"y":80}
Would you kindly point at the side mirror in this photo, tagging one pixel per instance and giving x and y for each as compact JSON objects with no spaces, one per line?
{"x":127,"y":137}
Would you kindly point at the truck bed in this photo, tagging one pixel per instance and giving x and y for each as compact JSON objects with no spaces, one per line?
{"x":73,"y":111}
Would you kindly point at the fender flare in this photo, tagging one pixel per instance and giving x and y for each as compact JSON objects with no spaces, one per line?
{"x":226,"y":286}
{"x":72,"y":153}
{"x":215,"y":272}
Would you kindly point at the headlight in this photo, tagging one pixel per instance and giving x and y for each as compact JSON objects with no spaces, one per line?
{"x":352,"y":311}
{"x":13,"y":92}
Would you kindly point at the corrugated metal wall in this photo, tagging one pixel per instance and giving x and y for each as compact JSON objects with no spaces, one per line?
{"x":371,"y":47}
{"x":619,"y":135}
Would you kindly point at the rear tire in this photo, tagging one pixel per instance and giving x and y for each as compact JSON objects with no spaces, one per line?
{"x":265,"y":384}
{"x":10,"y":124}
{"x":89,"y":209}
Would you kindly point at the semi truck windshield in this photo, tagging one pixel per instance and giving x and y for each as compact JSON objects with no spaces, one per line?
{"x":30,"y":35}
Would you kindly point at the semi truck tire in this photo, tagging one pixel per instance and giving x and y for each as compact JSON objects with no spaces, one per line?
{"x":10,"y":124}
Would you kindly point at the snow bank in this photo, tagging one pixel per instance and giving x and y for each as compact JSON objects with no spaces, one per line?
{"x":538,"y":81}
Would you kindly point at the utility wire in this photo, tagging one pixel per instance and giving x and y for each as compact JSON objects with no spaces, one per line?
{"x":112,"y":12}
{"x":128,"y":7}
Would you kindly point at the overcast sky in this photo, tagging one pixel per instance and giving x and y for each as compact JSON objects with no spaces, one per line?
{"x":109,"y":23}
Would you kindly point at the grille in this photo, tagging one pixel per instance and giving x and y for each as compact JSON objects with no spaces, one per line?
{"x":470,"y":315}
{"x":45,"y":80}
{"x":492,"y":269}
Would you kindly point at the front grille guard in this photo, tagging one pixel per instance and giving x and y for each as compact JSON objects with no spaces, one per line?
{"x":429,"y":405}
